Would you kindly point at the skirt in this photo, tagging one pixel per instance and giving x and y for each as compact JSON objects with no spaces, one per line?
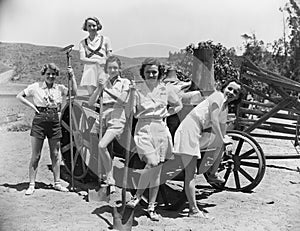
{"x":91,"y":74}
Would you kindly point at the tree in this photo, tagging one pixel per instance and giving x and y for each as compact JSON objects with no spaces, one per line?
{"x":224,"y":67}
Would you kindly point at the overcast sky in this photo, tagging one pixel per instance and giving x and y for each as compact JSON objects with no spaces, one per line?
{"x":166,"y":24}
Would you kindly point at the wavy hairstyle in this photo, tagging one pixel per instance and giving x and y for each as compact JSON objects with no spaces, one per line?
{"x":51,"y":66}
{"x":99,"y":25}
{"x":152,"y":61}
{"x":242,"y":91}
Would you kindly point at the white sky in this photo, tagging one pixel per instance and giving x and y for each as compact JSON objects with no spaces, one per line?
{"x":170,"y":23}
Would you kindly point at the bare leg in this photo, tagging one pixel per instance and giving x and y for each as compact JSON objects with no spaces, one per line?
{"x":189,"y":163}
{"x":55,"y":158}
{"x":214,"y":168}
{"x":151,"y":170}
{"x":36,"y":145}
{"x":104,"y":155}
{"x":154,"y":183}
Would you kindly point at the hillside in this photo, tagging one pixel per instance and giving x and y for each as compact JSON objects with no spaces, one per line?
{"x":27,"y":60}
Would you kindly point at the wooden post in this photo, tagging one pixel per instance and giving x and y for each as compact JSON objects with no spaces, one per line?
{"x":203,"y":71}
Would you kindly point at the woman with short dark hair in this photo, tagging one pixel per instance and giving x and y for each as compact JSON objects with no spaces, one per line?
{"x":205,"y":128}
{"x":153,"y":102}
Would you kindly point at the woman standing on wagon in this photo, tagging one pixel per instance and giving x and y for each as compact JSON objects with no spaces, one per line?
{"x":203,"y":128}
{"x":47,"y":100}
{"x":93,"y":52}
{"x":152,"y":136}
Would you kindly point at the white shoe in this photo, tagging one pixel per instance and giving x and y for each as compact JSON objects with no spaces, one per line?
{"x":133,"y":202}
{"x":30,"y":190}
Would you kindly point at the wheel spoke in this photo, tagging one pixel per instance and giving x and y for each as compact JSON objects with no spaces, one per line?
{"x":83,"y":157}
{"x":250,"y":164}
{"x":239,"y":147}
{"x":65,"y":125}
{"x":76,"y":156}
{"x":74,"y":120}
{"x":65,"y":148}
{"x":227,"y":173}
{"x":237,"y":179}
{"x":83,"y":126}
{"x":87,"y":144}
{"x":245,"y":174}
{"x":247,"y":154}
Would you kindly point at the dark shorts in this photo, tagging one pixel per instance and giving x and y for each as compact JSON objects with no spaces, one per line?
{"x":46,"y":124}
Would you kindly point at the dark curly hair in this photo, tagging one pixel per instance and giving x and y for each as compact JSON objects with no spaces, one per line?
{"x":99,"y":25}
{"x":242,"y":91}
{"x":51,"y":66}
{"x":152,"y":61}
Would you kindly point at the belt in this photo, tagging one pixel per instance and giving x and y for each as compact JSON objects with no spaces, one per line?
{"x":208,"y":130}
{"x":47,"y":109}
{"x":151,"y":119}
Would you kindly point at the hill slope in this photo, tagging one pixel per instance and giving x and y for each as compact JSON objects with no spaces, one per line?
{"x":27,"y":60}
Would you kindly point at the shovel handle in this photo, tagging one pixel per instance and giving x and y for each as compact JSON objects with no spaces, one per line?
{"x":100,"y":129}
{"x":128,"y":144}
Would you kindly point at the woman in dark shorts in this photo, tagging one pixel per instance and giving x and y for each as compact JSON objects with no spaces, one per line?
{"x":47,"y":99}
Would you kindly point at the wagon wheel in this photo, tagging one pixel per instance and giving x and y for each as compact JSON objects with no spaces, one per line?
{"x":244,"y":168}
{"x":81,"y":140}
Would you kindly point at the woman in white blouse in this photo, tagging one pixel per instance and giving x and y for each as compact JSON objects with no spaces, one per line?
{"x":47,"y":100}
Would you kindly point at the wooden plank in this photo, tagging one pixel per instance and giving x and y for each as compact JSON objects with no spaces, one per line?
{"x":261,"y":113}
{"x":248,"y":121}
{"x":270,"y":80}
{"x":272,"y":112}
{"x":280,"y":137}
{"x":270,"y":105}
{"x":266,"y":74}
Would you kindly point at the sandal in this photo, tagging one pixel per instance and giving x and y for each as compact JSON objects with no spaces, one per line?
{"x":30,"y":189}
{"x":112,"y":189}
{"x":197,"y":214}
{"x":59,"y":187}
{"x":215,"y":179}
{"x":133,"y":202}
{"x":151,"y":212}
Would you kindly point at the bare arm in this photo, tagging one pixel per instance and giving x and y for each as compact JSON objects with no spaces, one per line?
{"x":94,"y":97}
{"x":74,"y":83}
{"x":215,"y":111}
{"x":93,"y":60}
{"x":174,"y":100}
{"x":21,"y":96}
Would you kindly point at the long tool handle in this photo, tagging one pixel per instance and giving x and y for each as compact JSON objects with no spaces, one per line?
{"x":100,"y":130}
{"x":70,"y":120}
{"x":127,"y":145}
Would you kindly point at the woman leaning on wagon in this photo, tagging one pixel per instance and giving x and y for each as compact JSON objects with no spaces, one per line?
{"x":204,"y":128}
{"x":47,"y":100}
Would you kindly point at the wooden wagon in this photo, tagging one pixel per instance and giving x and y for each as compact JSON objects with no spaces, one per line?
{"x":277,"y":111}
{"x":243,"y":168}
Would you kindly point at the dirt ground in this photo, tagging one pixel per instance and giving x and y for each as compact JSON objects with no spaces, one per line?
{"x":273,"y":205}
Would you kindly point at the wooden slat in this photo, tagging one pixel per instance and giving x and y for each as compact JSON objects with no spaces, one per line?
{"x":272,"y":112}
{"x":261,"y":113}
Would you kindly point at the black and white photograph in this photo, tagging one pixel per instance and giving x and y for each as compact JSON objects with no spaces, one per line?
{"x":151,"y":115}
